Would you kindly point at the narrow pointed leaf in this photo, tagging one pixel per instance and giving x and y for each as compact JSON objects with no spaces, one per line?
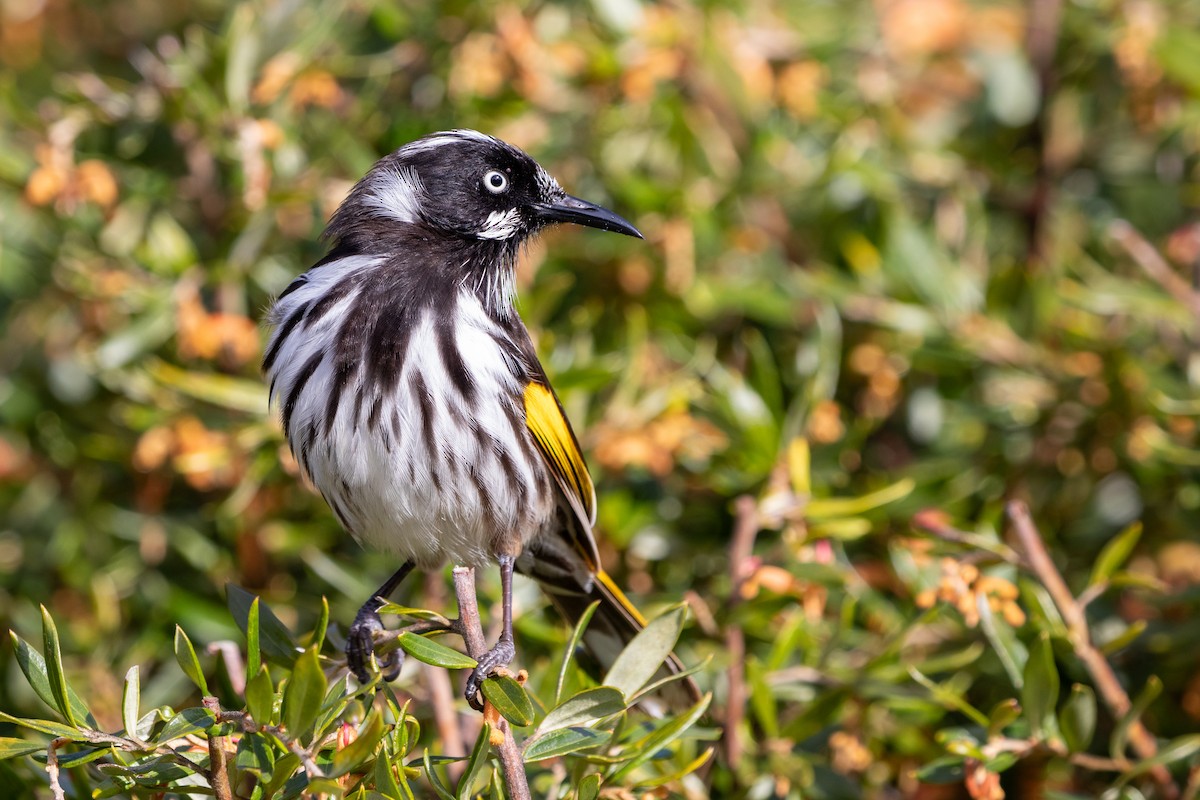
{"x":355,"y":754}
{"x":569,"y":652}
{"x":385,"y":776}
{"x":509,"y":698}
{"x":1120,"y":734}
{"x":276,"y":641}
{"x":14,"y":748}
{"x":667,"y":733}
{"x":131,"y":699}
{"x":646,"y":653}
{"x":476,"y":762}
{"x":1012,"y":654}
{"x":1078,"y":718}
{"x":253,"y":648}
{"x":54,"y":669}
{"x":304,"y":694}
{"x":584,"y":708}
{"x":426,"y":650}
{"x":1174,"y":750}
{"x":322,"y":625}
{"x":1004,"y":713}
{"x":56,"y":729}
{"x":1039,"y":694}
{"x":187,"y":722}
{"x":1115,"y":553}
{"x":34,"y":667}
{"x":435,"y":780}
{"x":260,"y":697}
{"x":185,"y":654}
{"x":564,"y":741}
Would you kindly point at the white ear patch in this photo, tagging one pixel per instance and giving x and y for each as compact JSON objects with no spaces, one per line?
{"x":500,"y":225}
{"x":396,"y":193}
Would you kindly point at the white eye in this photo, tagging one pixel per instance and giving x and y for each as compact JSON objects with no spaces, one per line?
{"x":495,"y":182}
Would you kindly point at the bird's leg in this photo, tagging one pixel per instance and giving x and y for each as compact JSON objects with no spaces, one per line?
{"x":360,"y":641}
{"x":503,"y":652}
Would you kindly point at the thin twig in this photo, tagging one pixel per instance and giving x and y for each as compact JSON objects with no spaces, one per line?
{"x":52,"y":766}
{"x":218,"y":773}
{"x":441,"y":692}
{"x":741,"y":550}
{"x":511,"y":763}
{"x":1153,"y":264}
{"x":1114,"y":696}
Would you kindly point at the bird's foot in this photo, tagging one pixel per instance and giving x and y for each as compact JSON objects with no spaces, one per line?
{"x":499,"y":656}
{"x":360,"y":646}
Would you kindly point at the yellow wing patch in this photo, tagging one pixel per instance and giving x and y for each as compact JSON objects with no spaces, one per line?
{"x":545,"y":419}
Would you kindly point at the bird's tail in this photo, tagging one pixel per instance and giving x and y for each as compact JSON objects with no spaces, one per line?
{"x":572,"y":587}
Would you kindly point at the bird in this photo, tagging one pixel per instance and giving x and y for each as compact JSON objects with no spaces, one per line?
{"x":412,"y":397}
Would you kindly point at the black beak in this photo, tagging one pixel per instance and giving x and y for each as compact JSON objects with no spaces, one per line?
{"x":581,"y":212}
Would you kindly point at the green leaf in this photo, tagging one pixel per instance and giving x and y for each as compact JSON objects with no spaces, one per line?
{"x":304,"y":694}
{"x":14,"y":748}
{"x":355,"y":754}
{"x":1174,"y":750}
{"x":435,"y":780}
{"x":762,"y":699}
{"x":564,"y":741}
{"x":1115,"y":553}
{"x":34,"y":667}
{"x":588,"y":787}
{"x":185,"y":654}
{"x":1077,"y":721}
{"x":424,"y":614}
{"x":648,"y":747}
{"x":385,"y":776}
{"x":54,"y":669}
{"x":322,"y":625}
{"x":584,"y":708}
{"x":509,"y":698}
{"x":572,"y":645}
{"x":475,"y":763}
{"x":55,"y":729}
{"x":1120,"y":734}
{"x":428,"y":651}
{"x":646,"y":653}
{"x":260,"y":697}
{"x":187,"y":722}
{"x":131,"y":698}
{"x":1125,"y":638}
{"x":285,"y":767}
{"x":1005,"y":713}
{"x":253,"y":649}
{"x":1012,"y":654}
{"x":948,"y":696}
{"x":323,"y":787}
{"x":1039,"y":695}
{"x":277,"y":643}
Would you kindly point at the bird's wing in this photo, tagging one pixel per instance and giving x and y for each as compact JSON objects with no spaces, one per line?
{"x":546,"y":421}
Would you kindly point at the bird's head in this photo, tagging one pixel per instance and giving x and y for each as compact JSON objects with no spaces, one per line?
{"x":468,"y":186}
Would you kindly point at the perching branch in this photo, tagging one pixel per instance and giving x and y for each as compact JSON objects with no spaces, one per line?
{"x":218,"y":773}
{"x":741,"y":549}
{"x":511,"y":764}
{"x":1032,"y":547}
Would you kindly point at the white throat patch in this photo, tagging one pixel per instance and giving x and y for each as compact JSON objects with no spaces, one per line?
{"x":500,"y":225}
{"x":396,"y":192}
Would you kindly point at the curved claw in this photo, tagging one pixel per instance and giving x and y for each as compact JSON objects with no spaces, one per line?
{"x":499,"y":656}
{"x":360,"y":646}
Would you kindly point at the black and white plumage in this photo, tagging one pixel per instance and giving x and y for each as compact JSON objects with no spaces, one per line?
{"x":412,"y":397}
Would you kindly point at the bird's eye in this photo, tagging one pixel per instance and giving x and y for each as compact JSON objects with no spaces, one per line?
{"x":495,"y":182}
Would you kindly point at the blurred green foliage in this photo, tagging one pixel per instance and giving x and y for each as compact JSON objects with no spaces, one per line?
{"x":909,"y":255}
